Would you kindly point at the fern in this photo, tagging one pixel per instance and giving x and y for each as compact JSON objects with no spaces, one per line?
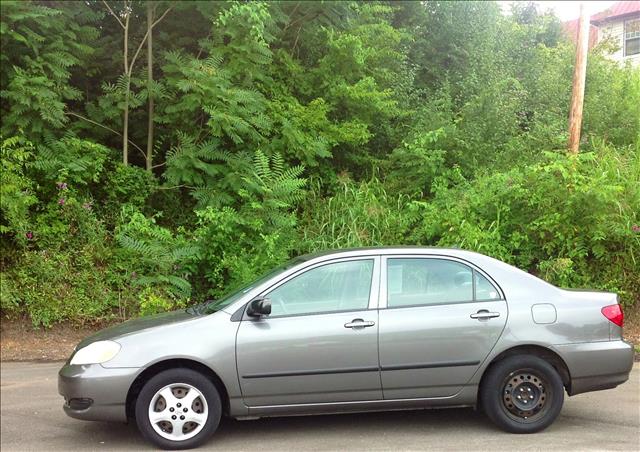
{"x":161,"y":256}
{"x":70,"y":159}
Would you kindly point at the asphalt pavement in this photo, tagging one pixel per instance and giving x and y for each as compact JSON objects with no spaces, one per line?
{"x":31,"y":418}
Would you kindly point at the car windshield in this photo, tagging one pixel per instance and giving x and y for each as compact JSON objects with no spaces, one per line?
{"x":235,"y":294}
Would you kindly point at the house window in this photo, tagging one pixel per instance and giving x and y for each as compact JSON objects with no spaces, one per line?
{"x":632,"y":37}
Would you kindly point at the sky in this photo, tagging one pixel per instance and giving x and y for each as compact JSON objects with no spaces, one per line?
{"x":566,"y":10}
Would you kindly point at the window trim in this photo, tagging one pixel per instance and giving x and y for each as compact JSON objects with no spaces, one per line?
{"x":383,"y":302}
{"x":625,"y":39}
{"x":373,"y":291}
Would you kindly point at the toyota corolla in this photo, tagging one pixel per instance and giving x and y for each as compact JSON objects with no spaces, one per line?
{"x":355,"y":330}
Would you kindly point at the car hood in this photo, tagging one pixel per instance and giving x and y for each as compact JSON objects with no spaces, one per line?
{"x":137,"y":325}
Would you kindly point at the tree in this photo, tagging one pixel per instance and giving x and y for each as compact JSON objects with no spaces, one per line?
{"x":124,"y":18}
{"x":41,"y":46}
{"x":151,"y":8}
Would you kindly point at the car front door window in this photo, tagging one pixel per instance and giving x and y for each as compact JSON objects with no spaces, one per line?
{"x":334,"y":287}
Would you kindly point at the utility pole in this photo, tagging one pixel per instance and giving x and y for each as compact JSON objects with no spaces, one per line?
{"x":579,"y":77}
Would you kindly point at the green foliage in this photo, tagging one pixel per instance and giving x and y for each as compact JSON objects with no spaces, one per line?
{"x":152,"y":302}
{"x":239,"y":243}
{"x":358,"y":214}
{"x":16,"y":188}
{"x":71,"y":159}
{"x":414,"y":166}
{"x":617,"y":118}
{"x":236,"y":248}
{"x":228,"y":245}
{"x":55,"y":286}
{"x":419,"y":123}
{"x":40,"y":47}
{"x":126,"y":185}
{"x":570,"y":219}
{"x":161,"y":258}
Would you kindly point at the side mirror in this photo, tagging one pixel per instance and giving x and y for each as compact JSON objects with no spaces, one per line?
{"x":259,"y":307}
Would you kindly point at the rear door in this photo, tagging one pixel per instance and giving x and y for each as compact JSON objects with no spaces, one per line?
{"x":439,"y":319}
{"x":320,"y":343}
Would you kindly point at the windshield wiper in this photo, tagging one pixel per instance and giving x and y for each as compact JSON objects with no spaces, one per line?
{"x":208,"y":306}
{"x":197,"y":309}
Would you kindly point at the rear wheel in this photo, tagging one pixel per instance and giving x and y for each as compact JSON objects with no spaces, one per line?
{"x":178,"y":409}
{"x":522,"y":394}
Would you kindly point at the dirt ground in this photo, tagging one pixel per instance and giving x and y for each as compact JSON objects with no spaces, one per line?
{"x":20,"y":341}
{"x":632,"y":327}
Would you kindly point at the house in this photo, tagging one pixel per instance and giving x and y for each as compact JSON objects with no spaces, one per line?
{"x":618,"y":25}
{"x":571,"y":31}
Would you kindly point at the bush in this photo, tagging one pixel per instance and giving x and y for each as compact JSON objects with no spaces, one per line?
{"x":65,"y":285}
{"x":573,"y":220}
{"x":16,"y":189}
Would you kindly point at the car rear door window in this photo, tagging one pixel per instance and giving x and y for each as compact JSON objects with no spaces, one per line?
{"x":415,"y":281}
{"x":485,"y":291}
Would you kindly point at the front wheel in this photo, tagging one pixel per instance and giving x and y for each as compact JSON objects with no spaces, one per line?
{"x":178,"y":409}
{"x":522,"y":394}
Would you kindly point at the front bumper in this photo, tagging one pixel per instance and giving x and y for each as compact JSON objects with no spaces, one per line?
{"x":594,"y":366}
{"x":95,"y":393}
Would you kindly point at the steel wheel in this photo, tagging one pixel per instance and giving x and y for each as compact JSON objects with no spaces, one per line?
{"x":522,"y":393}
{"x":178,"y":411}
{"x":525,"y":394}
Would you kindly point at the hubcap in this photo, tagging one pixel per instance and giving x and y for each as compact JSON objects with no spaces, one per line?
{"x":178,"y":412}
{"x":525,"y":394}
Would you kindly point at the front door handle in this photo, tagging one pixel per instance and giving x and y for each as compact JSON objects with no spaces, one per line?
{"x":483,"y":314}
{"x":359,"y":323}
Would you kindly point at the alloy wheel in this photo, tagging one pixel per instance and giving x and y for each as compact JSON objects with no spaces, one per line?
{"x":178,"y":411}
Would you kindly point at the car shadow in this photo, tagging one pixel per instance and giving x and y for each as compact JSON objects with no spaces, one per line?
{"x":275,"y":433}
{"x":264,"y":431}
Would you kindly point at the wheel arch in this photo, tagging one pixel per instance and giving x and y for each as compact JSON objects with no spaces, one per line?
{"x":540,"y":351}
{"x":174,"y":363}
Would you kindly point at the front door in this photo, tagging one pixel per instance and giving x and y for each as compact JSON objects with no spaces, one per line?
{"x":320,"y":343}
{"x":441,"y":320}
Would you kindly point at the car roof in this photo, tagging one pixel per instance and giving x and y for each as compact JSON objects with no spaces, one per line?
{"x":384,"y":250}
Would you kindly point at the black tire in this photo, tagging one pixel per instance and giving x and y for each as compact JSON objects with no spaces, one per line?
{"x":170,"y":377}
{"x":522,"y":394}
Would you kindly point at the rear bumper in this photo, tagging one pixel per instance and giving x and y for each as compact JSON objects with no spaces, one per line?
{"x":594,"y":366}
{"x":95,"y":393}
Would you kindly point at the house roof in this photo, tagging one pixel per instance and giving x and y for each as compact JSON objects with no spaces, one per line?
{"x":618,"y":9}
{"x":570,"y":29}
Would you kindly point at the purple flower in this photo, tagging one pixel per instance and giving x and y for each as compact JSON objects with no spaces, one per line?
{"x":29,"y":235}
{"x":61,"y":201}
{"x":635,"y":228}
{"x":87,"y":205}
{"x":61,"y":185}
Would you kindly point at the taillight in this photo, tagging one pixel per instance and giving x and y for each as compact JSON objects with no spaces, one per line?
{"x":614,"y":314}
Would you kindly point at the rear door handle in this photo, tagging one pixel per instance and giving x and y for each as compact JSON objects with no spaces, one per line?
{"x":483,"y":314}
{"x":359,"y":323}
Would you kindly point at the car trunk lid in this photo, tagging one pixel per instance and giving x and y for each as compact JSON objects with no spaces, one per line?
{"x":600,"y":304}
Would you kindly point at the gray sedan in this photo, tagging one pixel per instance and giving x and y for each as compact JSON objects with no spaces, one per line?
{"x":355,"y":330}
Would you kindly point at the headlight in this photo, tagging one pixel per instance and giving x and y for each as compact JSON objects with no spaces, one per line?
{"x":96,"y":353}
